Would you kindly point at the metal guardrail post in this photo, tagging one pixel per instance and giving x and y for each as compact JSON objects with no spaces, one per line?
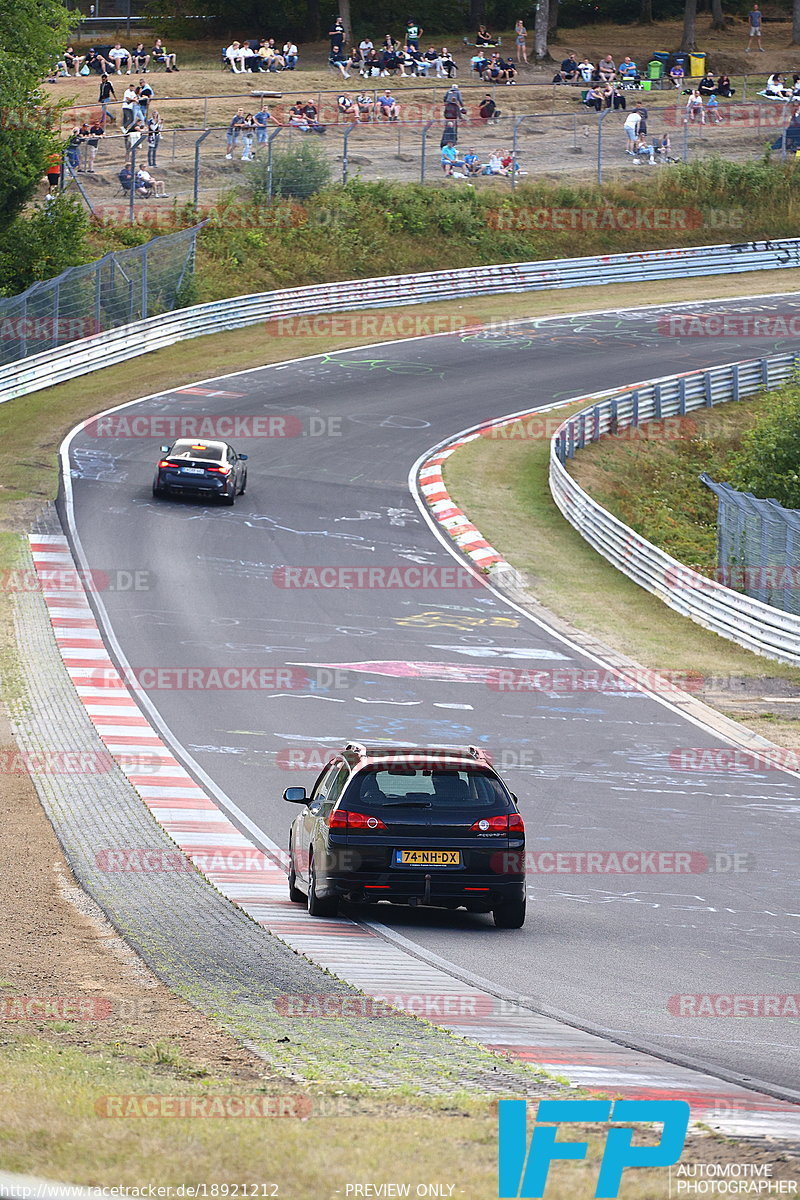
{"x":197,"y":145}
{"x":685,"y":147}
{"x":55,"y":312}
{"x":424,"y":151}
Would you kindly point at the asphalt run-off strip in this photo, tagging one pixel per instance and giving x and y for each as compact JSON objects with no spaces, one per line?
{"x":356,"y":953}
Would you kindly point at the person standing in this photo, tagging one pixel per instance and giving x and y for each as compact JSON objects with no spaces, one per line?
{"x":106,"y":94}
{"x":631,"y":127}
{"x":262,"y":119}
{"x":129,"y":102}
{"x":521,"y":35}
{"x":96,"y":131}
{"x":155,"y":127}
{"x":413,"y":33}
{"x":337,"y":38}
{"x":234,"y":132}
{"x":755,"y":28}
{"x":248,"y":128}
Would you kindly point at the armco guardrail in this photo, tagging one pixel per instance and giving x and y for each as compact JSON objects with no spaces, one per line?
{"x":751,"y":623}
{"x":117,"y":345}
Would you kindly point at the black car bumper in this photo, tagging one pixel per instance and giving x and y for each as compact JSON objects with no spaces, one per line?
{"x":438,"y":889}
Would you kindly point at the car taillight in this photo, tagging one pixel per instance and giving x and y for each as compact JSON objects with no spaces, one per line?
{"x":220,"y":470}
{"x":165,"y":463}
{"x":503,"y":823}
{"x":343,"y":819}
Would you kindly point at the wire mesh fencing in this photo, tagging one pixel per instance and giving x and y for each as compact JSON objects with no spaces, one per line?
{"x":124,"y":286}
{"x":758,"y":547}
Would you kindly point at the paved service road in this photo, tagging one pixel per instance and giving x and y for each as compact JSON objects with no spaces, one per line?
{"x":592,"y":770}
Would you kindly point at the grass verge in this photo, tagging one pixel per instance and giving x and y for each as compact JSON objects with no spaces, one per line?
{"x":503,"y":486}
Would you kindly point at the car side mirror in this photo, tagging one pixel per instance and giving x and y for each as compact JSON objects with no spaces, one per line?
{"x":295,"y":795}
{"x":164,"y":449}
{"x":515,"y":798}
{"x":243,"y":457}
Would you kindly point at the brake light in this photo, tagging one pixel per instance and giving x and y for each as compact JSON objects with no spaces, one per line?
{"x":503,"y":823}
{"x":220,"y":470}
{"x":356,"y":821}
{"x":164,"y":463}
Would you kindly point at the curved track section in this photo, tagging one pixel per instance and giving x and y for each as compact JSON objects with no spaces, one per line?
{"x":410,"y":663}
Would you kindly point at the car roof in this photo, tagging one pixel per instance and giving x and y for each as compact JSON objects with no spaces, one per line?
{"x":359,"y":754}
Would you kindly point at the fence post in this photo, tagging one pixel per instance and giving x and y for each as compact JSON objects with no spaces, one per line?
{"x":345,"y":139}
{"x":602,"y":118}
{"x":56,"y":301}
{"x":98,"y":284}
{"x":144,"y":283}
{"x":133,"y":185}
{"x":517,"y":122}
{"x":685,"y":149}
{"x":24,"y":338}
{"x":270,"y":140}
{"x":205,"y":112}
{"x":197,"y":145}
{"x":424,"y":150}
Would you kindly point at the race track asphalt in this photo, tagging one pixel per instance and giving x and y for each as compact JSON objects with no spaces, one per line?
{"x":592,"y":770}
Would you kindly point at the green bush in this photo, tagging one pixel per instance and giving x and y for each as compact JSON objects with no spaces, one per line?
{"x":43,"y":244}
{"x":768,"y":464}
{"x":297,"y":172}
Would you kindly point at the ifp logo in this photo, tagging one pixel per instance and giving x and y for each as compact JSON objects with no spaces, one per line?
{"x":522,"y":1170}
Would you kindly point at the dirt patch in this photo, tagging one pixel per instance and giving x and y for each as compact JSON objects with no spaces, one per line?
{"x":57,"y":947}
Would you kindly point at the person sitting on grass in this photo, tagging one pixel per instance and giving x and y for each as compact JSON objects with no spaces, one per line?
{"x":724,"y":86}
{"x":707,"y":85}
{"x":628,"y":71}
{"x":364,"y":104}
{"x":389,"y":106}
{"x":160,"y":54}
{"x":472,"y":164}
{"x":447,"y":62}
{"x":450,"y":159}
{"x":96,"y":62}
{"x":644,"y":149}
{"x":311,"y":114}
{"x":147,"y":186}
{"x":121,"y":59}
{"x":586,"y":69}
{"x":509,"y":70}
{"x":484,"y":38}
{"x":594,"y":98}
{"x":70,"y":62}
{"x":487,"y":111}
{"x":568,"y":71}
{"x":495,"y":165}
{"x":140,"y":58}
{"x":776,"y":86}
{"x":614,"y":97}
{"x":346,"y":107}
{"x":606,"y":69}
{"x":677,"y":75}
{"x":235,"y":57}
{"x":290,"y":55}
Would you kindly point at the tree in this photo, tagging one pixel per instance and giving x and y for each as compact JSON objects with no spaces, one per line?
{"x":718,"y":21}
{"x":768,"y":464}
{"x":689,"y":41}
{"x":540,"y":31}
{"x":33,"y":34}
{"x":552,"y":22}
{"x":645,"y":12}
{"x":344,"y":13}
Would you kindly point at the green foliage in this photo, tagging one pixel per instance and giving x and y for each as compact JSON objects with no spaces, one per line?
{"x":299,"y":172}
{"x":33,"y":34}
{"x":768,"y":464}
{"x":42,"y":244}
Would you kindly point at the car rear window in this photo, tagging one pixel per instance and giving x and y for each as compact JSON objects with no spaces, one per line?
{"x":441,"y":787}
{"x":197,"y":450}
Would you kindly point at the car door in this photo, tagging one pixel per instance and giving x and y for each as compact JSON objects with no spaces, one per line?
{"x":305,"y":826}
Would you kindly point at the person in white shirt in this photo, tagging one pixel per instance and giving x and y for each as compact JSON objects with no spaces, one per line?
{"x":290,"y":55}
{"x":365,"y":46}
{"x":129,"y":101}
{"x":631,"y":127}
{"x":152,"y":187}
{"x":121,"y":58}
{"x":586,"y":69}
{"x":236,"y":55}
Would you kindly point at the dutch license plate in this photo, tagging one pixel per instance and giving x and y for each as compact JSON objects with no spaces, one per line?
{"x":193,"y":470}
{"x":428,"y":858}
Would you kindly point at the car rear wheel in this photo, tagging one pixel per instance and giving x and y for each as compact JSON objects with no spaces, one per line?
{"x":244,"y":484}
{"x":510,"y":915}
{"x":318,"y":907}
{"x":295,"y":895}
{"x":157,"y":492}
{"x":229,"y":498}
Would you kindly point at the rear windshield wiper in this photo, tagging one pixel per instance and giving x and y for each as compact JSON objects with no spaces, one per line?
{"x":408,"y":804}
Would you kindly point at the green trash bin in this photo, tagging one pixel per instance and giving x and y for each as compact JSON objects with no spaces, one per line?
{"x":697,"y":65}
{"x":655,"y":69}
